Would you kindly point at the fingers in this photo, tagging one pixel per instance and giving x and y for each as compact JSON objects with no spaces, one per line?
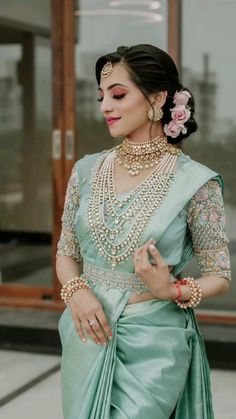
{"x":99,"y":330}
{"x":78,"y":327}
{"x":104,"y":323}
{"x":94,"y":331}
{"x":157,"y":256}
{"x":89,"y":317}
{"x":141,"y":259}
{"x":140,"y":255}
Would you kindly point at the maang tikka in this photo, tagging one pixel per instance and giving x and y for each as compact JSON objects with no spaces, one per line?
{"x":155,"y":113}
{"x":107,"y":69}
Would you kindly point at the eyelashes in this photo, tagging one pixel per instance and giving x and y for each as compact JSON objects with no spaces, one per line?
{"x":118,"y":97}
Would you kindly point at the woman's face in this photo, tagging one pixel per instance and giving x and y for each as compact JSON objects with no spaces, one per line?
{"x":124,"y":106}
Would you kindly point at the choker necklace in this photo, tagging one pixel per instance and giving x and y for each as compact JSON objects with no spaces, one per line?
{"x":139,"y":156}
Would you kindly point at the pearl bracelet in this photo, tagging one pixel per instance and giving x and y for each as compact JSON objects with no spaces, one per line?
{"x":71,"y":286}
{"x":196,"y":293}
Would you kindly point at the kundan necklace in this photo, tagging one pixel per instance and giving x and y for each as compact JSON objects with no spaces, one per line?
{"x":117,"y":224}
{"x":139,"y":156}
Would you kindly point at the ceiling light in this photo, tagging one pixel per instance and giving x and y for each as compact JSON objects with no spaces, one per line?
{"x":153,"y":5}
{"x":149,"y":16}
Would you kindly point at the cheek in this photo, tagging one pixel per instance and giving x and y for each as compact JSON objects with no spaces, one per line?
{"x":135,"y":108}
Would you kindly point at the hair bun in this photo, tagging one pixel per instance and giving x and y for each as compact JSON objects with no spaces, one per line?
{"x":121,"y":51}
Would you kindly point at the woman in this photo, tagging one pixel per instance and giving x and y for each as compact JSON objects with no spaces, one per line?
{"x":136,"y":214}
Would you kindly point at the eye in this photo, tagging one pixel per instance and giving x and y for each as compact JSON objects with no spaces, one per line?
{"x":118,"y":96}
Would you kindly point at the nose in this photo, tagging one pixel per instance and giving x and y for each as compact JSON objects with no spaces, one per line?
{"x":106,"y":105}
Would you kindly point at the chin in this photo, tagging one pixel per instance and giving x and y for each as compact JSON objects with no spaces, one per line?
{"x":117,"y":133}
{"x":113,"y":135}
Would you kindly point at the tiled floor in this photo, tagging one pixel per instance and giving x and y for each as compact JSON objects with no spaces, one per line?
{"x":42,"y":400}
{"x":224,"y":393}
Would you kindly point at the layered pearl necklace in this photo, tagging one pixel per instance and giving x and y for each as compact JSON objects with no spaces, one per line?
{"x":117,"y":224}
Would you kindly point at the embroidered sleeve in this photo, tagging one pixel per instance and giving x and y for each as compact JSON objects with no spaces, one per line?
{"x":206,"y":222}
{"x":68,"y":244}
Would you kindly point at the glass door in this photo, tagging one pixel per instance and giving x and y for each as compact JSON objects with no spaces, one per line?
{"x":25,"y":167}
{"x":26,"y":187}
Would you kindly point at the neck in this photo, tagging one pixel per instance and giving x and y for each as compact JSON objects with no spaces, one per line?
{"x":154,"y":132}
{"x":152,"y":141}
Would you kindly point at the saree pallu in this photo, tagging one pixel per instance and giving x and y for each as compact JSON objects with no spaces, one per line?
{"x":154,"y":367}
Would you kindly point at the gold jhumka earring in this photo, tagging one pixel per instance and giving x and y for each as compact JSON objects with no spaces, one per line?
{"x":155,"y":113}
{"x":107,"y":69}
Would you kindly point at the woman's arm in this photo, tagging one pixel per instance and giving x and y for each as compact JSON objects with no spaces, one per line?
{"x":83,"y":303}
{"x":206,"y":222}
{"x":68,"y":249}
{"x":68,"y":244}
{"x":66,"y":268}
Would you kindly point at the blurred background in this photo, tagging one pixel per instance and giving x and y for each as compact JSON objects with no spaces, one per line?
{"x":49,"y":117}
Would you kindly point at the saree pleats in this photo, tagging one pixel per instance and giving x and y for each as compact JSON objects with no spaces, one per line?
{"x":152,"y":360}
{"x":196,"y":400}
{"x":154,"y":366}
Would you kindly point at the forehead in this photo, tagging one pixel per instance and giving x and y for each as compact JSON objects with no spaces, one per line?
{"x":119,"y":75}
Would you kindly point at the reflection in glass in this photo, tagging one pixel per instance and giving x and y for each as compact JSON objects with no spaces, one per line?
{"x":209,"y":60}
{"x":25,"y":160}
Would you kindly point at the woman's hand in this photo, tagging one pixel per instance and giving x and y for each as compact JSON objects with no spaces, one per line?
{"x":155,"y":276}
{"x":85,"y":308}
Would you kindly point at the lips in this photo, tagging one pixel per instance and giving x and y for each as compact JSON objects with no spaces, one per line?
{"x":112,"y":120}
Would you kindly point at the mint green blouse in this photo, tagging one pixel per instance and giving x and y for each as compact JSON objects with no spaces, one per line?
{"x":196,"y":223}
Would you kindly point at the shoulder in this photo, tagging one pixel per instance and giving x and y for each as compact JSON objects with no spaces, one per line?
{"x":90,"y":159}
{"x":186,"y":160}
{"x":84,"y":165}
{"x":194,"y":169}
{"x":208,"y":194}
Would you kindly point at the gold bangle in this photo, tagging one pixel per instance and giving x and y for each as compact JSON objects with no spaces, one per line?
{"x":71,"y":286}
{"x":196,"y":294}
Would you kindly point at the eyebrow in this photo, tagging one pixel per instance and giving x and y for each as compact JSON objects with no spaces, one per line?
{"x":113,"y":85}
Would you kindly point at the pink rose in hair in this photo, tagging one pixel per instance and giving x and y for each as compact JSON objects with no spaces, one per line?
{"x":172,"y":129}
{"x":180,"y":114}
{"x":181,"y":98}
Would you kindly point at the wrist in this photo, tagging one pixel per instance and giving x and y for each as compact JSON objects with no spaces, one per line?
{"x":174,"y":293}
{"x":191,"y":295}
{"x":73,"y":285}
{"x":170,"y":293}
{"x":77,"y":293}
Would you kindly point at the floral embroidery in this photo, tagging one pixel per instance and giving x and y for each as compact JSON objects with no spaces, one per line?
{"x":68,"y":244}
{"x":206,"y":221}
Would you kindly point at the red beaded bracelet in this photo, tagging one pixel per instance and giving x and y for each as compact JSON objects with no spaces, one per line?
{"x":177,"y":286}
{"x":196,"y":293}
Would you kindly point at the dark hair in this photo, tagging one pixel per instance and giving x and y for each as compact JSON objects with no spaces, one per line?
{"x":152,"y":70}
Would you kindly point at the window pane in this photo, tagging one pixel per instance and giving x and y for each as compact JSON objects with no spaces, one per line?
{"x":209,"y":68}
{"x":25,"y":159}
